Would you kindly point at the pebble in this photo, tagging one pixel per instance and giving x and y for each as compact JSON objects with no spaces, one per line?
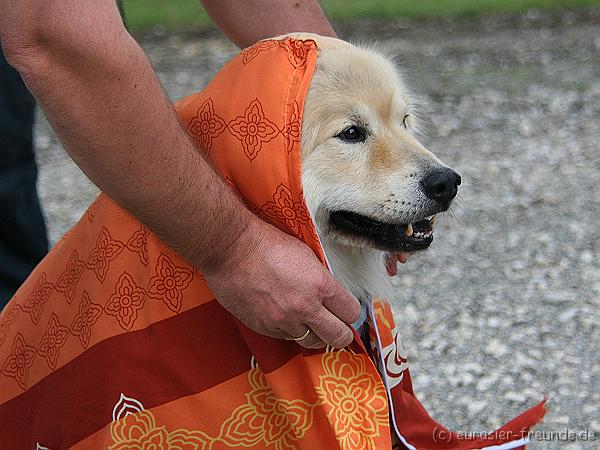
{"x":486,"y":382}
{"x":515,"y":397}
{"x":496,"y":348}
{"x":475,"y":407}
{"x":567,"y":315}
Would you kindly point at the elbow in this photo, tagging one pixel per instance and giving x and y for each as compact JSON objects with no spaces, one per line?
{"x":26,"y":59}
{"x":24,"y":51}
{"x":35,"y":46}
{"x":25,"y":32}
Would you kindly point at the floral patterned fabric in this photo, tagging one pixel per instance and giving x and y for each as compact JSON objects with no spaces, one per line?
{"x":115,"y":341}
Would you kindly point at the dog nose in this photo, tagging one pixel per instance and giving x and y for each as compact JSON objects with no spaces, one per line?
{"x":441,"y":185}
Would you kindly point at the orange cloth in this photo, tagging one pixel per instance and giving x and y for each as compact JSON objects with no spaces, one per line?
{"x":116,"y":342}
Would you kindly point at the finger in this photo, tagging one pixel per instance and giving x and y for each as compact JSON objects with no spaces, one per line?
{"x":314,"y":343}
{"x":330,"y":329}
{"x":310,"y":341}
{"x":339,"y":301}
{"x":296,"y":331}
{"x":276,"y":334}
{"x":279,"y":332}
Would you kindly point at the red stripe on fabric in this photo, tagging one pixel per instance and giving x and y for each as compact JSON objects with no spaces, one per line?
{"x":176,"y":357}
{"x":421,"y":431}
{"x":274,"y":353}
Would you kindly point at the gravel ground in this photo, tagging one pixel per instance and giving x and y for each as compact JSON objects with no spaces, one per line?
{"x":504,"y":308}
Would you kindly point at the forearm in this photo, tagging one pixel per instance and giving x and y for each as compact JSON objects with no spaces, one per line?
{"x":105,"y":104}
{"x":248,"y":21}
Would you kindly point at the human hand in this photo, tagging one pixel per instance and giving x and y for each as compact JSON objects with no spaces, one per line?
{"x":276,"y":286}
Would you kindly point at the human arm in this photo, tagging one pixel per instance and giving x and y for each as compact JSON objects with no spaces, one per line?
{"x":246,"y":22}
{"x":108,"y":109}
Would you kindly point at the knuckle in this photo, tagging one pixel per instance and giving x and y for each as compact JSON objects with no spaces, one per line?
{"x":324,"y":286}
{"x":305,"y":308}
{"x":275,"y":317}
{"x":300,"y":306}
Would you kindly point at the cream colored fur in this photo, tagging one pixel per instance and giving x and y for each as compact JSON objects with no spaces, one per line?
{"x":379,"y":177}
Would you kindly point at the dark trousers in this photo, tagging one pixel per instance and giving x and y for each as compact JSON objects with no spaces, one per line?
{"x":23,"y":240}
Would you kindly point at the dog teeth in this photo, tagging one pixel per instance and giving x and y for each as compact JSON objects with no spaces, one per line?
{"x":432,"y":220}
{"x":422,"y":235}
{"x":409,"y":230}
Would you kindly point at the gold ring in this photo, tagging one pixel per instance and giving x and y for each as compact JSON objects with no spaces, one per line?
{"x":301,"y":338}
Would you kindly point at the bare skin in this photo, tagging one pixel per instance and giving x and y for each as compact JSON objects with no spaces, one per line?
{"x":106,"y":105}
{"x":248,"y":21}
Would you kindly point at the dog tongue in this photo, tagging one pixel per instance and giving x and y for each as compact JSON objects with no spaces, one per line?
{"x":392,"y":259}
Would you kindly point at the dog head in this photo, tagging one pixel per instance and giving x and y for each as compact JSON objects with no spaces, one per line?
{"x":367,"y":180}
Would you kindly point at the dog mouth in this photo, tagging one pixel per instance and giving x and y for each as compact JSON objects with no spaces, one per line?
{"x":392,"y":237}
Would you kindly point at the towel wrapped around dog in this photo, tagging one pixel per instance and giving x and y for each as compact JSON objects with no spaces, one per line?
{"x":116,"y":342}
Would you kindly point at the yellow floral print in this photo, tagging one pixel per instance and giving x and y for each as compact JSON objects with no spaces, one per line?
{"x":266,"y":418}
{"x":355,"y":403}
{"x":138,"y":431}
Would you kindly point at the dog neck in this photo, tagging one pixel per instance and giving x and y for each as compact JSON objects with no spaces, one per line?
{"x":361,"y":271}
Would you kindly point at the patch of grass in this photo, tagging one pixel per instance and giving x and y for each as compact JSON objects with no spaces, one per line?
{"x":144,"y":14}
{"x":383,"y":9}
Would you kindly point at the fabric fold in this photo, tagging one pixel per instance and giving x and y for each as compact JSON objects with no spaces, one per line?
{"x":123,"y":337}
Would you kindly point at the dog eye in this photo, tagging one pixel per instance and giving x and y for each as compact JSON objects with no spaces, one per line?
{"x":404,"y":121}
{"x":352,"y":134}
